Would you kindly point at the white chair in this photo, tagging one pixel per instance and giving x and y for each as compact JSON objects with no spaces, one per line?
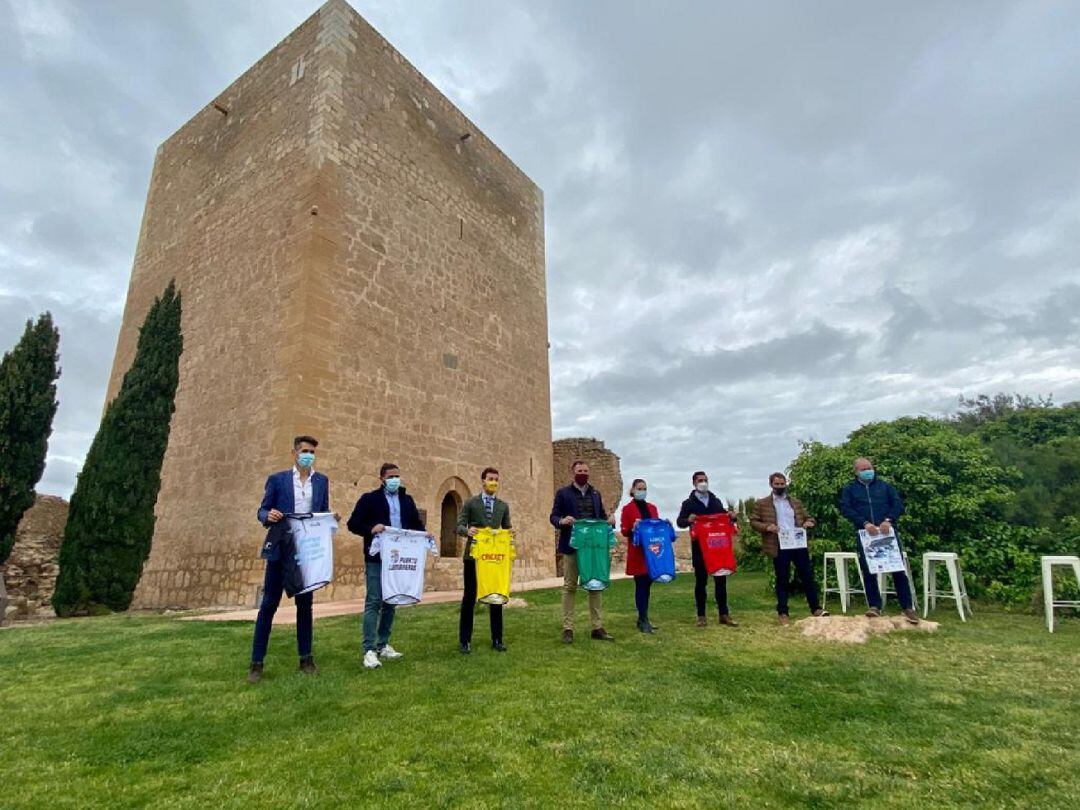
{"x":884,"y":590}
{"x":840,"y":560}
{"x":1048,"y":564}
{"x":957,"y":592}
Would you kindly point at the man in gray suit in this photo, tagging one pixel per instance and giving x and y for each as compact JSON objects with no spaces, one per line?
{"x":483,"y":510}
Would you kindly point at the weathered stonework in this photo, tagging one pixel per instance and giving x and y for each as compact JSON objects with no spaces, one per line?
{"x":604,"y":474}
{"x":359,"y":262}
{"x":30,"y":572}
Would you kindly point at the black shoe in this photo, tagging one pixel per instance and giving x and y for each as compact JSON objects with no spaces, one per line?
{"x":465,"y":648}
{"x":644,"y":626}
{"x":307,"y":665}
{"x":600,"y":634}
{"x":498,"y":646}
{"x":255,"y":672}
{"x":567,"y":636}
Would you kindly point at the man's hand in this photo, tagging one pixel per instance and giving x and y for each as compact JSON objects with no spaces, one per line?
{"x":809,"y":523}
{"x":273,"y":516}
{"x":337,"y":517}
{"x":871,"y":529}
{"x":886,"y":526}
{"x":430,"y":536}
{"x":567,"y":521}
{"x":611,"y":521}
{"x":513,"y":532}
{"x":378,"y":528}
{"x":772,"y":527}
{"x":691,"y":518}
{"x":472,"y":531}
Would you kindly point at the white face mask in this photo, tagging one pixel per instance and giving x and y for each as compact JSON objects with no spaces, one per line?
{"x":702,"y":486}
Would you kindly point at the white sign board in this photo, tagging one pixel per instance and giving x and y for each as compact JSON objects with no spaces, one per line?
{"x":792,"y":538}
{"x":882,"y":552}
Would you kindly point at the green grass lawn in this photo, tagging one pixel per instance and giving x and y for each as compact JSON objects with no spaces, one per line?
{"x":141,"y":711}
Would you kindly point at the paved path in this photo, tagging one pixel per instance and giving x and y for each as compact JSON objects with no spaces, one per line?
{"x":286,"y":614}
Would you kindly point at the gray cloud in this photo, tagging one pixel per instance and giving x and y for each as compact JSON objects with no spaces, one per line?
{"x":766,"y":222}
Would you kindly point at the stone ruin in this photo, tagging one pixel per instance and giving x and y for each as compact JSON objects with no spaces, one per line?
{"x":30,"y":572}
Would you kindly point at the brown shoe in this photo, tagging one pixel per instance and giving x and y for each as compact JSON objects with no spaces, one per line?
{"x":873,"y":613}
{"x":567,"y":636}
{"x":255,"y":673}
{"x":730,"y":622}
{"x":911,"y":616}
{"x":701,"y":621}
{"x":820,"y":612}
{"x":785,"y":620}
{"x":600,"y":634}
{"x":307,"y":666}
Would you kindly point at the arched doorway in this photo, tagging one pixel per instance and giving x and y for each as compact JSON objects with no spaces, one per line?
{"x":448,"y":539}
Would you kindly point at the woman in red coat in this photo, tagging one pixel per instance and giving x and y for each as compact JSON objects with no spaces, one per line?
{"x":636,"y":510}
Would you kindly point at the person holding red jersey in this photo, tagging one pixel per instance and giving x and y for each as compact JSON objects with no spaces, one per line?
{"x":702,"y":501}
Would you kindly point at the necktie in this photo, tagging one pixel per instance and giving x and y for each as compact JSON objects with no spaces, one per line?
{"x":489,"y":507}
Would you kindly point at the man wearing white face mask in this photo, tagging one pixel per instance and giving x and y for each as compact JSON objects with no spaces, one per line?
{"x":389,"y":505}
{"x":295,"y":491}
{"x":702,"y":501}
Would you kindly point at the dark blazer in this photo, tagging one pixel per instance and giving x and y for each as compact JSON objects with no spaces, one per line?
{"x":693,"y":506}
{"x":279,"y":494}
{"x":373,"y":509}
{"x":565,"y":505}
{"x":871,"y":503}
{"x":473,"y":514}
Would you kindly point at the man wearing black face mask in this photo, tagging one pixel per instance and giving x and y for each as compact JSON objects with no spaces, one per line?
{"x":774,"y":512}
{"x":578,"y":501}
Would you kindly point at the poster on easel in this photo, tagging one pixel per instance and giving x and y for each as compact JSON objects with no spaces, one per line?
{"x":882,"y":552}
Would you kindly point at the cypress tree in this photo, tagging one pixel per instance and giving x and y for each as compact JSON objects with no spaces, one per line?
{"x":111,"y":518}
{"x":27,"y":405}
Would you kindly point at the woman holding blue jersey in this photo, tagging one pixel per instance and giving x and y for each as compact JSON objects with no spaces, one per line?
{"x":634,"y":512}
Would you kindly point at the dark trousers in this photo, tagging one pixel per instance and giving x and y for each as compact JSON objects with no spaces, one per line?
{"x":468,"y":608}
{"x":701,"y":579}
{"x":901,"y":583}
{"x":273,"y":587}
{"x":642,"y":589}
{"x":782,"y":563}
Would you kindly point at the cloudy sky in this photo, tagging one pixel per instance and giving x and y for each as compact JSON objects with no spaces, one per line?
{"x":765,"y":221}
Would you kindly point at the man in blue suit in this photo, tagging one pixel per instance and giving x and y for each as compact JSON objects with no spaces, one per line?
{"x":297,"y":491}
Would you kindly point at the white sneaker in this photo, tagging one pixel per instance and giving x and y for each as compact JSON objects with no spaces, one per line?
{"x":389,"y":653}
{"x":371,"y":660}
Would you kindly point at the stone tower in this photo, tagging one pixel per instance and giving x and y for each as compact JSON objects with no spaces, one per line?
{"x":359,"y":262}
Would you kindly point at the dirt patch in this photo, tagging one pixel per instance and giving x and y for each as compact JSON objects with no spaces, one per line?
{"x":516,"y":602}
{"x":857,"y":629}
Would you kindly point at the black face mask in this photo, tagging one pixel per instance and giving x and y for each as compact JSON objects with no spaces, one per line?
{"x":779,"y":491}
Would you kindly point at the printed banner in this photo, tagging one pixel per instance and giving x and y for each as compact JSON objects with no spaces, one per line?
{"x":882,"y":552}
{"x":792,"y":538}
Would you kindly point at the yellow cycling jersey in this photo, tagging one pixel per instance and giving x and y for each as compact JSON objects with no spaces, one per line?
{"x":493,"y":550}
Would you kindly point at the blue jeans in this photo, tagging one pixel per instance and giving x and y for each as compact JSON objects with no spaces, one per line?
{"x":378,"y":616}
{"x":901,"y":583}
{"x":273,"y":586}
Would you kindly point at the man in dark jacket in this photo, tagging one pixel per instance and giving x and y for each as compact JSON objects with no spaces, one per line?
{"x":874,"y":505}
{"x":577,"y":501}
{"x":702,"y":501}
{"x":780,"y":511}
{"x":294,"y":491}
{"x":389,"y":505}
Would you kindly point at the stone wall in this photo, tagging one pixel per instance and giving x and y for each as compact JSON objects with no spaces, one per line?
{"x":359,"y":262}
{"x":30,"y":572}
{"x":604,"y":474}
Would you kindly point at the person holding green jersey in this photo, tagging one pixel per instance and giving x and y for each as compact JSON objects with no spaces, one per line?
{"x":578,"y":500}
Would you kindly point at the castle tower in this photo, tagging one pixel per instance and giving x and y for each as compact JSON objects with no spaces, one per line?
{"x":359,"y":262}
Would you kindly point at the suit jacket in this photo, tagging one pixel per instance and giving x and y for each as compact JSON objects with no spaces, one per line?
{"x":372,"y":509}
{"x":565,"y":505}
{"x":473,"y":514}
{"x":278,"y":494}
{"x":765,"y":514}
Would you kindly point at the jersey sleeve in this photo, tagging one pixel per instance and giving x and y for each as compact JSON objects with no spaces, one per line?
{"x":432,"y":547}
{"x":376,"y":545}
{"x":670,"y":531}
